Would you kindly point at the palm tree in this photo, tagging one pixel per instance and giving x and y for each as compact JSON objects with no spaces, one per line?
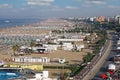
{"x":62,"y":77}
{"x":15,"y":48}
{"x":87,"y":57}
{"x":28,"y":51}
{"x":31,"y":45}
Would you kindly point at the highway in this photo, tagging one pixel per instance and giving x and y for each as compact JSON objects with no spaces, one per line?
{"x":108,"y":61}
{"x":91,"y":69}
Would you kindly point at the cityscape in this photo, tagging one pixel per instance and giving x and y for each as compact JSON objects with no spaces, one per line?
{"x":59,"y":40}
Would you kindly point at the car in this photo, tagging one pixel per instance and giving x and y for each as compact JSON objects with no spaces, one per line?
{"x":111,"y":59}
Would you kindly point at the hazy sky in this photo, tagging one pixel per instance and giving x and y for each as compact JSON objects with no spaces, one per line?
{"x":58,"y":8}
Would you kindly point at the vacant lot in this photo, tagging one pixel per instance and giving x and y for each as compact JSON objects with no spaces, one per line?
{"x":71,"y":57}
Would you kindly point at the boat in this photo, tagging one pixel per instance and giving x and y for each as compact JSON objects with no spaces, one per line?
{"x":7,"y":21}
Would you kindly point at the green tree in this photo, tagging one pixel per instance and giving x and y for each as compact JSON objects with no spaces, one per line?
{"x":73,"y":68}
{"x":85,"y":39}
{"x":32,"y":44}
{"x":62,"y":76}
{"x":15,"y":48}
{"x":87,"y":58}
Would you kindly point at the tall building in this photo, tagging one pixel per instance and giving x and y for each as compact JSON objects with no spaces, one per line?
{"x":117,"y":19}
{"x":91,"y":19}
{"x":110,"y":19}
{"x":100,"y":19}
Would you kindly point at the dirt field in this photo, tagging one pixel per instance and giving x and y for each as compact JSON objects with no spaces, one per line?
{"x":71,"y":57}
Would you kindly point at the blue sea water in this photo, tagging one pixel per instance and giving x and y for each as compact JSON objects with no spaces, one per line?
{"x":16,"y":22}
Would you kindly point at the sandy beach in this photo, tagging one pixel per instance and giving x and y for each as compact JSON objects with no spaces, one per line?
{"x":70,"y":57}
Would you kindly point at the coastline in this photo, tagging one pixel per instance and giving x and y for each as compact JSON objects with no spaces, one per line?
{"x":36,"y":29}
{"x":13,"y":22}
{"x":21,"y":30}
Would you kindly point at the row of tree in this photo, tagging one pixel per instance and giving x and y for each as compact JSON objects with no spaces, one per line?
{"x":73,"y":30}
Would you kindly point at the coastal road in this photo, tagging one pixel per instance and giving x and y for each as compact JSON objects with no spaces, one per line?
{"x":108,"y":61}
{"x":105,"y":53}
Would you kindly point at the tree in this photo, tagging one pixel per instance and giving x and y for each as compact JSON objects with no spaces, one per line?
{"x":32,"y":44}
{"x":85,"y":39}
{"x":87,"y":57}
{"x":62,"y":77}
{"x":74,"y":68}
{"x":101,"y":42}
{"x":28,"y":51}
{"x":15,"y":48}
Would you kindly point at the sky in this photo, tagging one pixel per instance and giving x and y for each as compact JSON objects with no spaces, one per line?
{"x":58,"y":8}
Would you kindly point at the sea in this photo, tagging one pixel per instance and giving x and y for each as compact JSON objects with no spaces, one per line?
{"x":6,"y":23}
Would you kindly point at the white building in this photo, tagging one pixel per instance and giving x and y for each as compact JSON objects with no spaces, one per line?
{"x":43,"y":75}
{"x":117,"y":19}
{"x":79,"y":47}
{"x":91,"y":19}
{"x":67,"y":46}
{"x":69,"y":40}
{"x":23,"y":47}
{"x":31,"y":59}
{"x":51,"y":47}
{"x":37,"y":40}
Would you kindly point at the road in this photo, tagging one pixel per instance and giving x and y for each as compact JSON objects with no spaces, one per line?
{"x":91,"y":69}
{"x":108,"y":61}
